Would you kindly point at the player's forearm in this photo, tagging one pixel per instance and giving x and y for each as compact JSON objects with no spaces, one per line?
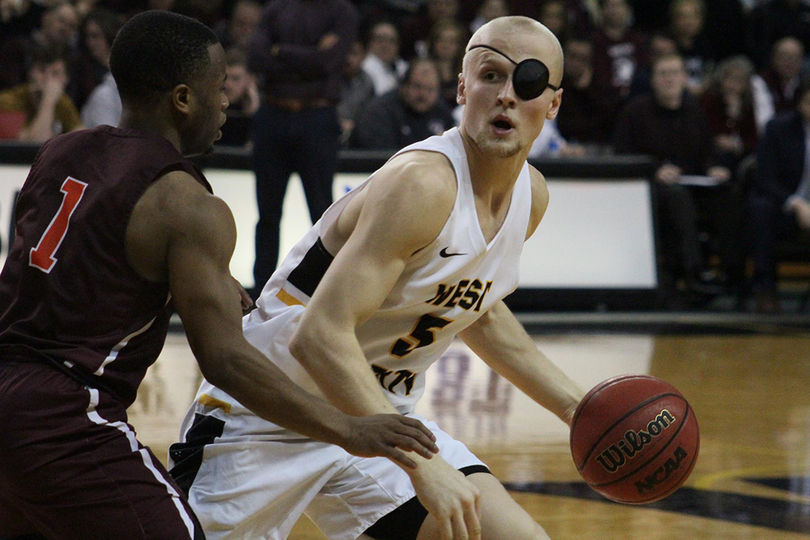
{"x":262,"y":387}
{"x":541,"y":379}
{"x":340,"y":369}
{"x":500,"y":340}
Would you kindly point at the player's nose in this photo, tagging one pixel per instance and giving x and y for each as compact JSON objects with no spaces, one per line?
{"x":507,"y":94}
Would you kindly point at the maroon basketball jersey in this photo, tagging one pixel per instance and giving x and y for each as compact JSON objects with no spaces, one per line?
{"x":67,"y":290}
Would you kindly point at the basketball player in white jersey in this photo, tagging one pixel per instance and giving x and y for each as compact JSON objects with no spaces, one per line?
{"x":422,"y":252}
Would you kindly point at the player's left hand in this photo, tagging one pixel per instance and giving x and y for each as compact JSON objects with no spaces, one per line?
{"x":386,"y":435}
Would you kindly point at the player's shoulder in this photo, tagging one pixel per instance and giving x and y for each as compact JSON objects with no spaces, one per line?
{"x":539,"y":187}
{"x":182,"y":201}
{"x":425,"y":175}
{"x":540,"y":199}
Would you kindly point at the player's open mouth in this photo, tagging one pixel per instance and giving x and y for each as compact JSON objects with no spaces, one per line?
{"x":502,"y":124}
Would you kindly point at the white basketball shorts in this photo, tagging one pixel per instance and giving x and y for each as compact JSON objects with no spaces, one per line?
{"x":257,"y":479}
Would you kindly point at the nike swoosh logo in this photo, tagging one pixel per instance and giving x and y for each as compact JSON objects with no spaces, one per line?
{"x":443,"y":253}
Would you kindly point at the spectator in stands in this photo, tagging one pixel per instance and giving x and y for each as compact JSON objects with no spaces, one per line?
{"x":103,"y":107}
{"x":660,"y":44}
{"x":446,"y":49}
{"x":554,"y":16}
{"x":670,"y":126}
{"x":724,"y":26}
{"x":590,"y":110}
{"x":298,"y":51}
{"x":728,"y":105}
{"x":780,"y":201}
{"x":18,"y":17}
{"x":416,"y":29}
{"x":580,"y":14}
{"x":58,"y":28}
{"x":243,"y":98}
{"x":618,"y":50}
{"x":91,"y":66}
{"x":357,"y":91}
{"x":488,"y":10}
{"x":686,"y":19}
{"x":775,"y":87}
{"x":47,"y":111}
{"x":383,"y":63}
{"x":773,"y":20}
{"x":237,"y":31}
{"x":405,"y":115}
{"x":393,"y":11}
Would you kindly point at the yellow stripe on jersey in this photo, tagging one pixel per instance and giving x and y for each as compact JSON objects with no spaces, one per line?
{"x":288,"y":299}
{"x":208,"y":401}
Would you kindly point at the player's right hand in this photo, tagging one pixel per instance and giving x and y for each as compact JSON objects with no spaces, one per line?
{"x":452,"y":500}
{"x":387,"y":435}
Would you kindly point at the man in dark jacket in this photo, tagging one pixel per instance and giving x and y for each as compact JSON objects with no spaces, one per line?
{"x":780,"y":200}
{"x":298,"y":53}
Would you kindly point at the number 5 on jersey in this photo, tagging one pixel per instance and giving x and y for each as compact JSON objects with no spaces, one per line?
{"x":421,"y":336}
{"x":42,"y":256}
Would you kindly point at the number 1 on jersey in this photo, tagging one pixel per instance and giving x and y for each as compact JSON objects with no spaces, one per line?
{"x":42,"y":256}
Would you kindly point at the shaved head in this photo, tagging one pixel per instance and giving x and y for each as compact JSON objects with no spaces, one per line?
{"x":520,"y":38}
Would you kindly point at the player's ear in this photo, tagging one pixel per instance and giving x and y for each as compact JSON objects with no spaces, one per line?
{"x":182,"y":98}
{"x":461,"y":96}
{"x":555,"y":105}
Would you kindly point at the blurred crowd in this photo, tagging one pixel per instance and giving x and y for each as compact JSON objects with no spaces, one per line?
{"x":713,"y":90}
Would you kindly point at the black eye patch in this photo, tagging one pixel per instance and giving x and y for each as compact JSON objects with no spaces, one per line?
{"x":530,"y":77}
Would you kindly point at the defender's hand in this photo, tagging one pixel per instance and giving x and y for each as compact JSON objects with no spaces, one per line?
{"x":386,"y":435}
{"x":452,"y":500}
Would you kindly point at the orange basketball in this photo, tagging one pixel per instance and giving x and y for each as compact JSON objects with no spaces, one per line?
{"x":634,"y":439}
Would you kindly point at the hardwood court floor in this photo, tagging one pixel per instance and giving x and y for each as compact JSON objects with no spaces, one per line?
{"x":751,"y":394}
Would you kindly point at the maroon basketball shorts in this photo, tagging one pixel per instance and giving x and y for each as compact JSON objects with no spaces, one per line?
{"x":71,"y":467}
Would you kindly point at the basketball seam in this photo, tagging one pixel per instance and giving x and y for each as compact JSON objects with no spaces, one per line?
{"x":620,"y":420}
{"x":607,"y":384}
{"x":669,"y":442}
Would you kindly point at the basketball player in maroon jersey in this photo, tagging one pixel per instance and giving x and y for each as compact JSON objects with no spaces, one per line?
{"x":114,"y":228}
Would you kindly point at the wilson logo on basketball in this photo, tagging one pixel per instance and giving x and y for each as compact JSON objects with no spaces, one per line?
{"x":662,"y":472}
{"x":617,"y":454}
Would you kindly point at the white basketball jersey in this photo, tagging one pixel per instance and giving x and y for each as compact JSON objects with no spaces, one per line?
{"x":443,"y":289}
